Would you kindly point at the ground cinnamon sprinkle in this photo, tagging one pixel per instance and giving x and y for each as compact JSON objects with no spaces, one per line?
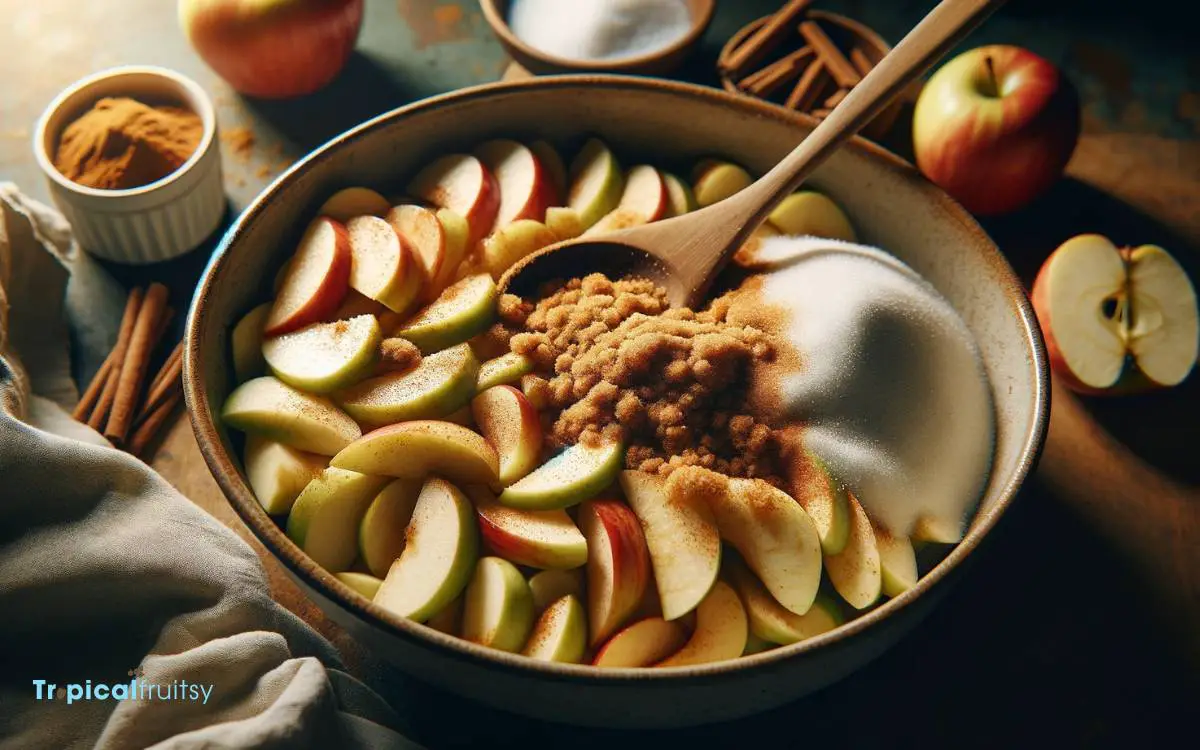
{"x":121,"y":143}
{"x":674,"y":384}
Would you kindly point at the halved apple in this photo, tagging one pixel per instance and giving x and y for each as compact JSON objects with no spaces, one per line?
{"x":503,"y":370}
{"x":555,"y":169}
{"x":534,"y":538}
{"x":381,"y":535}
{"x":642,"y":644}
{"x":564,"y":222}
{"x":549,"y":586}
{"x":464,"y":309}
{"x":441,"y":384}
{"x":897,"y":563}
{"x":412,"y":450}
{"x":277,"y":473}
{"x":809,"y":213}
{"x":596,"y":182}
{"x":720,"y":633}
{"x":350,"y":202}
{"x":273,"y":409}
{"x":246,"y":344}
{"x":384,"y":268}
{"x":560,"y":633}
{"x":769,"y":620}
{"x":717,"y":180}
{"x":325,"y":517}
{"x":680,"y":198}
{"x":497,"y":606}
{"x":449,"y":619}
{"x":363,"y":583}
{"x":579,"y":472}
{"x":681,"y":534}
{"x":512,"y":426}
{"x":526,"y":188}
{"x":823,"y":497}
{"x":1117,"y":320}
{"x":618,"y":564}
{"x":323,"y":357}
{"x":464,"y":185}
{"x":316,"y":280}
{"x":437,"y":561}
{"x":855,"y":572}
{"x":513,"y":242}
{"x":645,"y":193}
{"x":616,"y":220}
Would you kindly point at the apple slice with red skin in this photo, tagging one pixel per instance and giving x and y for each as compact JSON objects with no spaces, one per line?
{"x":721,"y":630}
{"x":618,"y":565}
{"x":645,"y":193}
{"x":559,"y":634}
{"x":425,"y":236}
{"x":351,"y":202}
{"x":642,"y":644}
{"x":680,"y":198}
{"x":513,"y":427}
{"x":526,"y":188}
{"x":384,"y":267}
{"x":317,"y":278}
{"x":412,"y":450}
{"x":463,"y":184}
{"x":534,"y":538}
{"x":555,"y":169}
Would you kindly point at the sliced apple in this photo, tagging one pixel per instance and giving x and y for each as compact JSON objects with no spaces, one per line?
{"x":412,"y":450}
{"x":897,"y":563}
{"x":317,"y":278}
{"x":458,"y":236}
{"x":934,"y":530}
{"x":355,"y":304}
{"x":442,"y":383}
{"x":560,"y":633}
{"x":681,"y":534}
{"x":555,"y":169}
{"x":351,"y":202}
{"x":564,"y":222}
{"x":503,"y":370}
{"x":616,"y":220}
{"x":809,"y":213}
{"x":464,"y":309}
{"x":325,"y":517}
{"x":548,"y":586}
{"x":526,"y":188}
{"x":438,"y":558}
{"x":513,"y":242}
{"x":462,"y":416}
{"x":323,"y":357}
{"x":720,"y":633}
{"x":534,"y":538}
{"x":596,"y":182}
{"x":618,"y":565}
{"x":537,"y":390}
{"x":642,"y":644}
{"x":424,"y":234}
{"x":464,"y":185}
{"x":384,"y":267}
{"x":769,"y":620}
{"x":823,"y":497}
{"x":273,"y":409}
{"x":246,"y":344}
{"x":855,"y":573}
{"x":717,"y":180}
{"x":363,"y":583}
{"x":277,"y":473}
{"x":579,"y":472}
{"x":680,"y":198}
{"x":512,"y":426}
{"x":497,"y":607}
{"x":381,"y":535}
{"x":449,"y":619}
{"x":756,"y":645}
{"x":645,"y":193}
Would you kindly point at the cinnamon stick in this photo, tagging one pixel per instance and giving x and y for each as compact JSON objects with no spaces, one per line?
{"x":769,"y":78}
{"x":839,"y":67}
{"x":808,"y":88}
{"x":137,"y":357}
{"x":860,"y":61}
{"x":160,"y":387}
{"x":760,"y":43}
{"x":132,"y":306}
{"x":91,"y":395}
{"x":153,"y":422}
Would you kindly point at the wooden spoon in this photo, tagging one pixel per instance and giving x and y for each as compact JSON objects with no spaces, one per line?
{"x":685,"y":253}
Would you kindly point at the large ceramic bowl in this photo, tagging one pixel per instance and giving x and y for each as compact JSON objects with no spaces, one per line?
{"x":666,"y":123}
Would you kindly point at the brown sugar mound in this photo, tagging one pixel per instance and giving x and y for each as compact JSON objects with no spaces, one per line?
{"x":673,"y":384}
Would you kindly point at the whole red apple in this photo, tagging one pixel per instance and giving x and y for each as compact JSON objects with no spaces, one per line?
{"x":995,"y":127}
{"x":273,"y":49}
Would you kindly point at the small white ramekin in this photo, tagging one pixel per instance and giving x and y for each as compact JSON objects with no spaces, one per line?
{"x":146,"y":224}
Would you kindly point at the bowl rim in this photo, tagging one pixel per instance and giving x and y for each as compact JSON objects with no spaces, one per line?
{"x":326,"y":585}
{"x":500,"y":27}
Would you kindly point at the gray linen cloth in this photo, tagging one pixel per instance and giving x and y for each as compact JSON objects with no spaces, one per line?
{"x":108,"y":577}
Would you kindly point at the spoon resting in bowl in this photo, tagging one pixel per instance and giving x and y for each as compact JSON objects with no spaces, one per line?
{"x":685,"y":253}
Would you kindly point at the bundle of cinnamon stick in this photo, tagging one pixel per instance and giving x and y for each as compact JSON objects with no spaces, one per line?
{"x":119,"y":402}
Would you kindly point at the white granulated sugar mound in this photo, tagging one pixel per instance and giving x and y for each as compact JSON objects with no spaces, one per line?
{"x":599,"y":29}
{"x":893,"y":390}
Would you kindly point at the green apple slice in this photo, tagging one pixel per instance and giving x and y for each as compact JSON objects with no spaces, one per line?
{"x":681,"y":534}
{"x":720,"y":633}
{"x":680,"y":198}
{"x":498,"y":607}
{"x":855,"y":572}
{"x":246,"y":344}
{"x":564,"y":222}
{"x":323,"y":357}
{"x":464,"y":309}
{"x":769,"y":620}
{"x":449,"y":619}
{"x":560,"y":633}
{"x":503,"y":370}
{"x":534,"y":538}
{"x":824,"y":499}
{"x":278,"y":473}
{"x":443,"y":545}
{"x":414,"y":450}
{"x":642,"y":644}
{"x":443,"y":383}
{"x":576,"y":474}
{"x":808,"y":213}
{"x":273,"y":409}
{"x":897,"y":563}
{"x":367,"y":585}
{"x":381,"y":534}
{"x":549,"y":586}
{"x":718,"y":180}
{"x":596,"y":182}
{"x":325,"y":517}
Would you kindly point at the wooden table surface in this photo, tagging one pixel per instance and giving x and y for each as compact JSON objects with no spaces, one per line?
{"x":1078,"y":623}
